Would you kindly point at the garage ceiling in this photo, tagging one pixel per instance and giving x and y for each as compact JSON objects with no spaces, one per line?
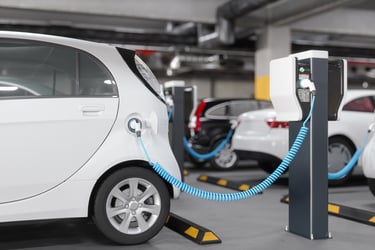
{"x":193,"y":29}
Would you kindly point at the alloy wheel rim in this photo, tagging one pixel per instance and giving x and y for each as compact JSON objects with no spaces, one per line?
{"x":133,"y":206}
{"x":338,"y":156}
{"x":226,"y":157}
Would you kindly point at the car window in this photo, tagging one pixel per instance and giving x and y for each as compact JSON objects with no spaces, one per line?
{"x":33,"y":69}
{"x":232,"y":109}
{"x":363,"y":104}
{"x":94,"y":79}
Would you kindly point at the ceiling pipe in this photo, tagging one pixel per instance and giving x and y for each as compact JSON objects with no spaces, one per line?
{"x":227,"y":14}
{"x":310,"y":12}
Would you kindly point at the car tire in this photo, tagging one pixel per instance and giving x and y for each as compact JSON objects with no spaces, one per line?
{"x":131,"y":205}
{"x":340,"y":151}
{"x":226,"y":159}
{"x":371,"y":185}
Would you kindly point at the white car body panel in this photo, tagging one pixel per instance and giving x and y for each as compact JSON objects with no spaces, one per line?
{"x":254,"y":135}
{"x":37,"y":133}
{"x":66,"y":193}
{"x":368,"y":163}
{"x":282,"y":70}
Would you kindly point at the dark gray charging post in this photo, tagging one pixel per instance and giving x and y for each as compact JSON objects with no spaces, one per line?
{"x":308,"y":172}
{"x":293,"y":79}
{"x":178,"y":125}
{"x":184,"y":100}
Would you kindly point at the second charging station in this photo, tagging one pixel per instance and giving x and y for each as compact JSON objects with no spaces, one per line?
{"x":308,"y":182}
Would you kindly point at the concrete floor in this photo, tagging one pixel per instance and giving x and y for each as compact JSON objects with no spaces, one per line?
{"x":256,"y":223}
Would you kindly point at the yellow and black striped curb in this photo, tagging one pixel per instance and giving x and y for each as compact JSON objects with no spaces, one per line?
{"x":350,"y":213}
{"x":224,"y":183}
{"x":190,"y":230}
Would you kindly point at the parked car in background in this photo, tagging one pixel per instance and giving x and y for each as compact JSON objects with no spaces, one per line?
{"x":209,"y":125}
{"x":260,"y":137}
{"x":368,"y":161}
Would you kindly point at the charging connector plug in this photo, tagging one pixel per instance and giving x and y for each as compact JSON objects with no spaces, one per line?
{"x":371,"y":128}
{"x":308,"y":84}
{"x":234,"y":123}
{"x":135,"y":126}
{"x":138,"y":128}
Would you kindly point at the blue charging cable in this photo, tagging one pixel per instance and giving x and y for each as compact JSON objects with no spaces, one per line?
{"x":351,"y":164}
{"x":206,"y":156}
{"x":239,"y":195}
{"x":170,"y":113}
{"x":211,"y":154}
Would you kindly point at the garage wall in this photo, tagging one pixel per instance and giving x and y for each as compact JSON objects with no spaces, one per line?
{"x":204,"y":86}
{"x":233,"y":88}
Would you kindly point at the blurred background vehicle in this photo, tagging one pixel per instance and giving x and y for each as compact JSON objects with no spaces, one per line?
{"x":209,"y":124}
{"x":260,"y":137}
{"x":368,"y":161}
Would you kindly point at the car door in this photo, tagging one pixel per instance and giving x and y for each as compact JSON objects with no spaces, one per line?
{"x":57,"y":106}
{"x":355,"y":119}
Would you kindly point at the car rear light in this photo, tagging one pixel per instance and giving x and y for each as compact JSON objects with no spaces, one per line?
{"x":198,"y":113}
{"x":272,"y":123}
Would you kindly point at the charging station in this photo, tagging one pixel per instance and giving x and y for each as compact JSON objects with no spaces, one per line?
{"x":178,"y":123}
{"x":293,"y":80}
{"x":181,"y":100}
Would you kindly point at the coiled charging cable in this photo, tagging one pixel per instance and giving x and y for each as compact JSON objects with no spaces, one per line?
{"x":239,"y":195}
{"x":211,"y":154}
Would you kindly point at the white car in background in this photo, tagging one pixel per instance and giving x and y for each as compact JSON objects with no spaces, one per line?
{"x":368,"y":161}
{"x":260,"y":137}
{"x":68,"y":147}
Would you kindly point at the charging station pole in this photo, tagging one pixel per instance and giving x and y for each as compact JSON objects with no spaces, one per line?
{"x":308,"y":181}
{"x":178,"y":125}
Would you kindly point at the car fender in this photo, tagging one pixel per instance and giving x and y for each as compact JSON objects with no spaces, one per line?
{"x":369,"y":159}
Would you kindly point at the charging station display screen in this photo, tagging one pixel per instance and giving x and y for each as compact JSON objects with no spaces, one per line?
{"x":303,"y":72}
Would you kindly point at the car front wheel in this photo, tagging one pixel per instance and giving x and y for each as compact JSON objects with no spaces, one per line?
{"x":224,"y":160}
{"x":340,"y":151}
{"x":131,"y":205}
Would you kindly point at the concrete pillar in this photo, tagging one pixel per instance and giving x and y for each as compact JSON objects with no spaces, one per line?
{"x":273,"y":42}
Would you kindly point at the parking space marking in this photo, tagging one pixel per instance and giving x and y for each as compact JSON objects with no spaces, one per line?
{"x":350,"y":213}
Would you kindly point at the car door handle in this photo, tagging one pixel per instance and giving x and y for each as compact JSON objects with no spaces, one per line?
{"x":92,"y":110}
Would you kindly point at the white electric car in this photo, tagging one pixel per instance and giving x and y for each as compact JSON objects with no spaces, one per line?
{"x":260,"y":137}
{"x":67,"y":143}
{"x":368,"y":161}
